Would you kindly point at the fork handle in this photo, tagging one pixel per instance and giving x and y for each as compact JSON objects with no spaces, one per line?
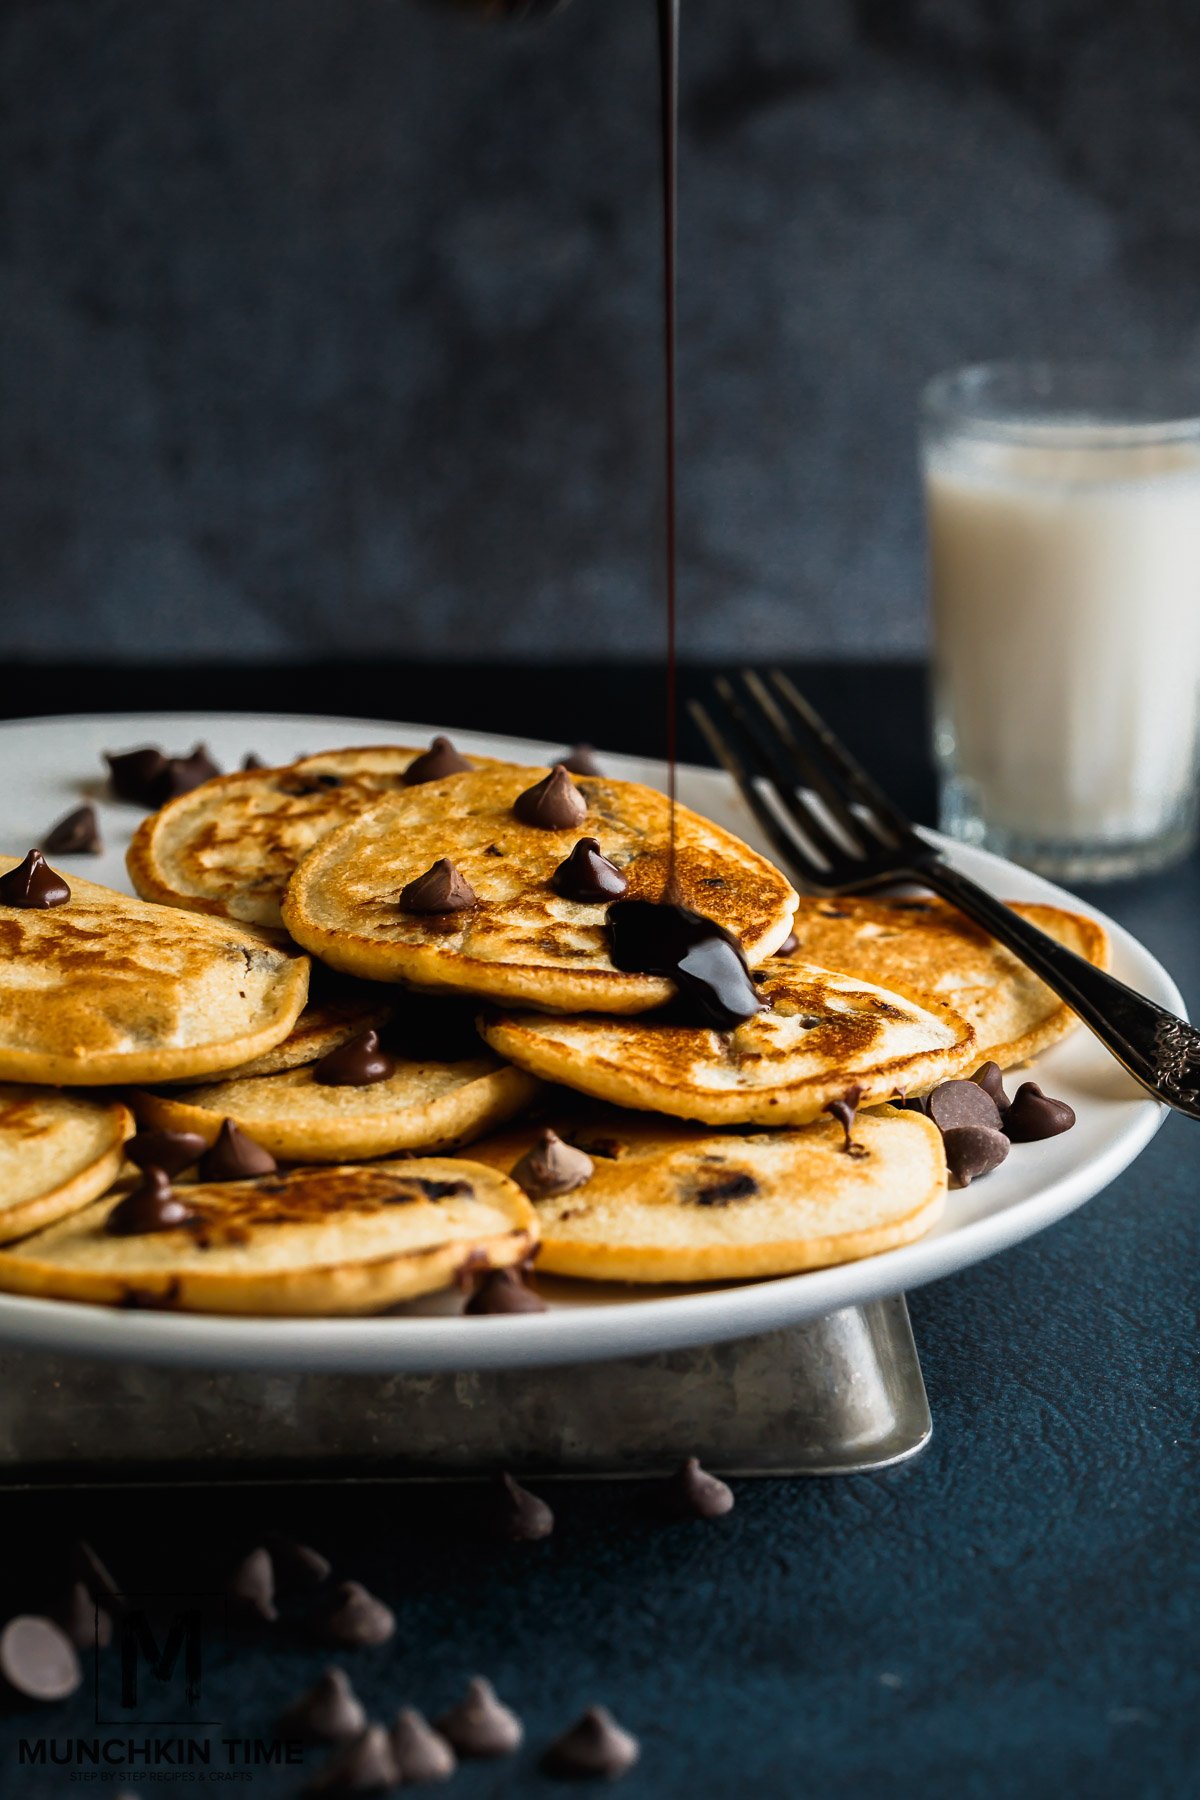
{"x":1159,"y":1050}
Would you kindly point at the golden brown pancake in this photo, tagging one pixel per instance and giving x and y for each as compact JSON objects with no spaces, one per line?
{"x":338,"y":1010}
{"x":57,"y":1152}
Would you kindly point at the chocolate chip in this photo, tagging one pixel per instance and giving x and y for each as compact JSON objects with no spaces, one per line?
{"x":298,"y":1567}
{"x":914,"y":1104}
{"x":76,"y":834}
{"x":552,"y":1167}
{"x":972,"y":1151}
{"x":441,"y":889}
{"x":581,"y":761}
{"x":34,"y":885}
{"x":443,"y":1190}
{"x":844,"y":1111}
{"x":955,"y":1103}
{"x":738,"y":1186}
{"x":1034,"y":1115}
{"x":85,"y":1623}
{"x":516,"y":1515}
{"x":481,"y":1725}
{"x":355,"y":1617}
{"x":365,"y":1766}
{"x":181,"y":774}
{"x":422,"y":1754}
{"x":552,"y":804}
{"x":171,"y":1151}
{"x":440,"y":759}
{"x":504,"y":1291}
{"x":235,"y":1157}
{"x":360,"y":1063}
{"x":991,"y":1081}
{"x":38,"y":1659}
{"x":329,"y":1712}
{"x":152,"y":1206}
{"x":134,"y":774}
{"x":587,"y":876}
{"x":250,"y":1586}
{"x":692,"y":1493}
{"x":789,"y":946}
{"x":250,"y":762}
{"x":594,"y":1745}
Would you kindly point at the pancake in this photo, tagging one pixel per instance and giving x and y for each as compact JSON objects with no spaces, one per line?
{"x":673,"y":1202}
{"x":349,"y":1239}
{"x":821,"y":1035}
{"x":340,"y":1011}
{"x":108,"y":989}
{"x":426,"y":1106}
{"x":57,"y":1152}
{"x":521,"y":942}
{"x":929,"y":945}
{"x":230,"y":845}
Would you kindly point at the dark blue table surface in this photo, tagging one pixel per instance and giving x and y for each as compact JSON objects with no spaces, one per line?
{"x":1015,"y":1613}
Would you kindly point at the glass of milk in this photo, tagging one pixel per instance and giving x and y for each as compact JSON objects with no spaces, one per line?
{"x":1064,"y":549}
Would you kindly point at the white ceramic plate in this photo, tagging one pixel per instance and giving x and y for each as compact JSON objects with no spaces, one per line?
{"x":49,"y":765}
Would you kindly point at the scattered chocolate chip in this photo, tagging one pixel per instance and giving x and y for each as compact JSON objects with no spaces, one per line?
{"x":581,"y":761}
{"x":422,"y":1754}
{"x":440,"y":759}
{"x":594,"y":1745}
{"x":692,"y":1493}
{"x":355,"y":1617}
{"x":85,"y":1622}
{"x":516,"y":1515}
{"x":972,"y":1151}
{"x":1034,"y":1115}
{"x":789,"y":946}
{"x":989,"y":1078}
{"x":135,"y":773}
{"x":250,"y":762}
{"x":250,"y":1586}
{"x":329,"y":1712}
{"x":441,"y":889}
{"x":298,"y":1567}
{"x":552,"y":1167}
{"x":38,"y":1659}
{"x":481,"y":1725}
{"x":235,"y":1157}
{"x":171,"y":1151}
{"x":955,"y":1103}
{"x":151,"y":1206}
{"x":737,"y":1186}
{"x":365,"y":1766}
{"x":504,"y":1291}
{"x":359,"y":1063}
{"x":552,"y":804}
{"x":76,"y":834}
{"x":33,"y":884}
{"x":181,"y":774}
{"x":587,"y":876}
{"x":844,"y":1111}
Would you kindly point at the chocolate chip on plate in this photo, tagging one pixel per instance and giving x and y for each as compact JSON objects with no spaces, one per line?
{"x":360,"y":1063}
{"x":552,"y":804}
{"x":235,"y":1157}
{"x":329,"y":1712}
{"x":481,"y":1724}
{"x":151,"y":1206}
{"x":34,"y":885}
{"x":972,"y":1151}
{"x":171,"y":1151}
{"x":134,"y":774}
{"x":250,"y":1586}
{"x":85,"y":1622}
{"x":298,"y":1567}
{"x":439,"y":760}
{"x":504,"y":1291}
{"x":38,"y":1659}
{"x":422,"y":1754}
{"x":989,"y":1078}
{"x":250,"y":762}
{"x":552,"y":1167}
{"x":587,"y":876}
{"x":364,"y":1766}
{"x":1034,"y":1115}
{"x":581,"y":761}
{"x":76,"y":834}
{"x":955,"y":1103}
{"x":441,"y":889}
{"x":354,"y":1617}
{"x":181,"y":774}
{"x":516,"y":1515}
{"x":594,"y":1745}
{"x":692,"y":1493}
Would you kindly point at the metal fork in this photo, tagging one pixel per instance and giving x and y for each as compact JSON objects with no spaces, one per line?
{"x":836,"y":831}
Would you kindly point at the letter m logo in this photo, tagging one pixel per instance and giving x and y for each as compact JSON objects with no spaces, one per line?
{"x":179,"y":1648}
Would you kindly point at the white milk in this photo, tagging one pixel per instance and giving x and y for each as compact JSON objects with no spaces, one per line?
{"x":1066,"y":592}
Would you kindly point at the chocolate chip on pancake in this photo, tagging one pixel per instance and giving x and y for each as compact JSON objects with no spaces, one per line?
{"x":972,"y":1151}
{"x":1034,"y":1115}
{"x":354,"y":1618}
{"x":587,"y":875}
{"x":152,"y":1206}
{"x":552,"y":804}
{"x":33,"y":884}
{"x":581,"y":761}
{"x":329,"y":1712}
{"x":991,"y":1081}
{"x":703,"y":959}
{"x":359,"y":1063}
{"x":692,"y":1493}
{"x":235,"y":1157}
{"x":422,"y":1754}
{"x":844,"y":1111}
{"x":504,"y":1291}
{"x":954,"y":1103}
{"x":250,"y":1587}
{"x":171,"y":1151}
{"x":552,"y":1167}
{"x":517,"y":1516}
{"x":38,"y":1659}
{"x":76,"y":834}
{"x":439,"y":760}
{"x":722,"y":1189}
{"x":481,"y":1724}
{"x":594,"y":1745}
{"x":441,"y":889}
{"x":789,"y":946}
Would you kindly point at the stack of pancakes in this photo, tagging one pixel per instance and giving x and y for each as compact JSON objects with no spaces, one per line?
{"x":525,"y":1096}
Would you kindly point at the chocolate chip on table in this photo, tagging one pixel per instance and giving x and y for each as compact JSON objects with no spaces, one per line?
{"x":354,"y":1618}
{"x":171,"y":1151}
{"x":552,"y":804}
{"x":441,"y":889}
{"x":364,"y":1766}
{"x":517,"y":1516}
{"x":38,"y":1659}
{"x":298,"y":1567}
{"x":329,"y":1712}
{"x":151,"y":1206}
{"x":692,"y":1493}
{"x":956,"y":1103}
{"x":76,"y":834}
{"x":360,"y":1063}
{"x":551,"y":1167}
{"x":234,"y":1156}
{"x":33,"y":885}
{"x":1034,"y":1115}
{"x":973,"y":1151}
{"x":439,"y":760}
{"x":587,"y":876}
{"x":250,"y":1586}
{"x":594,"y":1745}
{"x":581,"y":761}
{"x":481,"y":1724}
{"x":422,"y":1754}
{"x":504,"y":1291}
{"x":85,"y":1622}
{"x":989,"y":1078}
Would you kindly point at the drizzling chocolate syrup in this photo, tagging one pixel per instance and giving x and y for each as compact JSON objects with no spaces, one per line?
{"x":703,"y":959}
{"x":668,"y":69}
